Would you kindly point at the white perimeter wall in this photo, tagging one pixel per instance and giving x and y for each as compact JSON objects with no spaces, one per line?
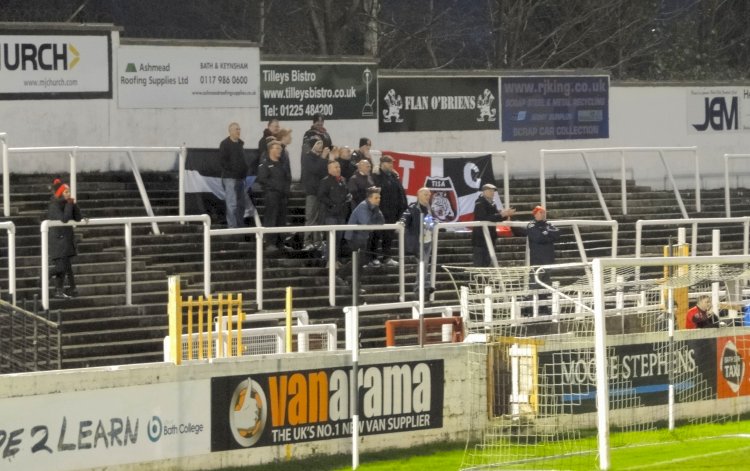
{"x":462,"y":407}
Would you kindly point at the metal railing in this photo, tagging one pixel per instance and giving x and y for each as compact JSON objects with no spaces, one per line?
{"x":576,"y":224}
{"x":727,"y":198}
{"x":73,"y":152}
{"x":693,"y":223}
{"x":11,"y":229}
{"x":623,"y":181}
{"x":28,"y":341}
{"x":260,"y":232}
{"x":128,"y":225}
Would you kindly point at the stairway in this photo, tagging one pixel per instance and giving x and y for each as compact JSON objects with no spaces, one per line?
{"x":99,"y":329}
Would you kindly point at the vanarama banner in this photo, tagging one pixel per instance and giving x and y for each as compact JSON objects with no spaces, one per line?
{"x":302,"y":406}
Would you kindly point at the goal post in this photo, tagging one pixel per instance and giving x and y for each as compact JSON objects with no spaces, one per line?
{"x":607,"y":368}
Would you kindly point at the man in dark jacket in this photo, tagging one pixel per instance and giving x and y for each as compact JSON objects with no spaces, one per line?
{"x":485,"y":210}
{"x":360,"y":182}
{"x":418,"y":220}
{"x":542,"y":237}
{"x":314,"y":169}
{"x":317,"y":129}
{"x":366,"y":213}
{"x":344,"y":157}
{"x":392,"y":203}
{"x":333,"y":200}
{"x":276,"y":182}
{"x":62,"y":245}
{"x":269,"y":132}
{"x":363,"y":152}
{"x":233,"y":173}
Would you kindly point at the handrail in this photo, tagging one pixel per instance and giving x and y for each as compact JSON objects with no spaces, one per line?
{"x":745,"y":221}
{"x":727,"y":197}
{"x":493,"y":153}
{"x":11,"y":228}
{"x":623,"y":180}
{"x":6,"y":183}
{"x":72,"y":154}
{"x":575,"y":223}
{"x":259,"y":233}
{"x":128,"y":223}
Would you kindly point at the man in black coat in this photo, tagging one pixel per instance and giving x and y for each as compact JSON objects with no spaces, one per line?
{"x":314,"y":169}
{"x":360,"y":182}
{"x":316,"y":130}
{"x":62,"y":245}
{"x":542,"y":237}
{"x":392,"y":203}
{"x":233,"y":172}
{"x":485,"y":210}
{"x":418,"y":219}
{"x":333,"y":199}
{"x":276,"y":183}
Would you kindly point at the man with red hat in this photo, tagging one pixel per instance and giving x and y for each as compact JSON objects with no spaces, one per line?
{"x":542,"y":237}
{"x":62,"y":245}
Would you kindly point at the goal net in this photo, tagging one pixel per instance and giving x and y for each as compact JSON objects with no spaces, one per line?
{"x":579,"y":360}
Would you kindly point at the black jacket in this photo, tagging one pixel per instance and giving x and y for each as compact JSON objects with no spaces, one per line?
{"x":542,"y":237}
{"x":61,"y":239}
{"x":412,"y":217}
{"x":484,"y":210}
{"x":232,"y":159}
{"x":333,"y":197}
{"x":348,"y":168}
{"x":358,"y":185}
{"x":392,"y":194}
{"x":314,"y":169}
{"x":274,"y":177}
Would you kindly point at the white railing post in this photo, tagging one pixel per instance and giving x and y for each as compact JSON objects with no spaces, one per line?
{"x":181,"y":159}
{"x":73,"y":173}
{"x":623,"y":183}
{"x":142,"y":190}
{"x":697,"y":182}
{"x":727,"y":197}
{"x":401,"y":293}
{"x":597,"y":189}
{"x":12,"y":261}
{"x":542,"y":182}
{"x":6,"y":174}
{"x":259,"y":236}
{"x":44,"y":229}
{"x":332,"y":260}
{"x":207,"y":257}
{"x":128,"y":264}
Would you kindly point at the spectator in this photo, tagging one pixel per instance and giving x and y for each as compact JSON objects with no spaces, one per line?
{"x":344,"y":156}
{"x":62,"y":246}
{"x":269,"y":132}
{"x":234,"y":170}
{"x":284,"y":136}
{"x":392,"y":204}
{"x":314,"y":169}
{"x":365,"y":144}
{"x":542,"y":237}
{"x":276,"y":182}
{"x":317,"y":129}
{"x":367,"y":212}
{"x":333,"y":201}
{"x":485,"y":210}
{"x":418,"y":220}
{"x":360,"y":182}
{"x":699,"y":317}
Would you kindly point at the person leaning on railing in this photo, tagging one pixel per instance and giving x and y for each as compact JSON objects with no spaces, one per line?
{"x":62,"y":246}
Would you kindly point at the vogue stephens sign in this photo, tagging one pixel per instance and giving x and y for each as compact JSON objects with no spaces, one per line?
{"x":437,"y":103}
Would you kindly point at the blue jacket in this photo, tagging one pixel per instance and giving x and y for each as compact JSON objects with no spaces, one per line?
{"x":364,"y":213}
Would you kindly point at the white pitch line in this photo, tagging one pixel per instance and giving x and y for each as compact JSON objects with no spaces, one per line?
{"x":688,"y":458}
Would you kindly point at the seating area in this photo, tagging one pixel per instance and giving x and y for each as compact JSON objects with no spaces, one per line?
{"x":98,"y":328}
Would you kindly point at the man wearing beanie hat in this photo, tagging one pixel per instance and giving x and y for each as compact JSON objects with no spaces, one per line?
{"x":62,"y":245}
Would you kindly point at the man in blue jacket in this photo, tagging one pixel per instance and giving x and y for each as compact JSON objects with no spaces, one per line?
{"x":367,"y":212}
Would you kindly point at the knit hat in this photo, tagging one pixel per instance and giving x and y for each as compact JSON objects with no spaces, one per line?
{"x":58,"y":187}
{"x":537,"y":209}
